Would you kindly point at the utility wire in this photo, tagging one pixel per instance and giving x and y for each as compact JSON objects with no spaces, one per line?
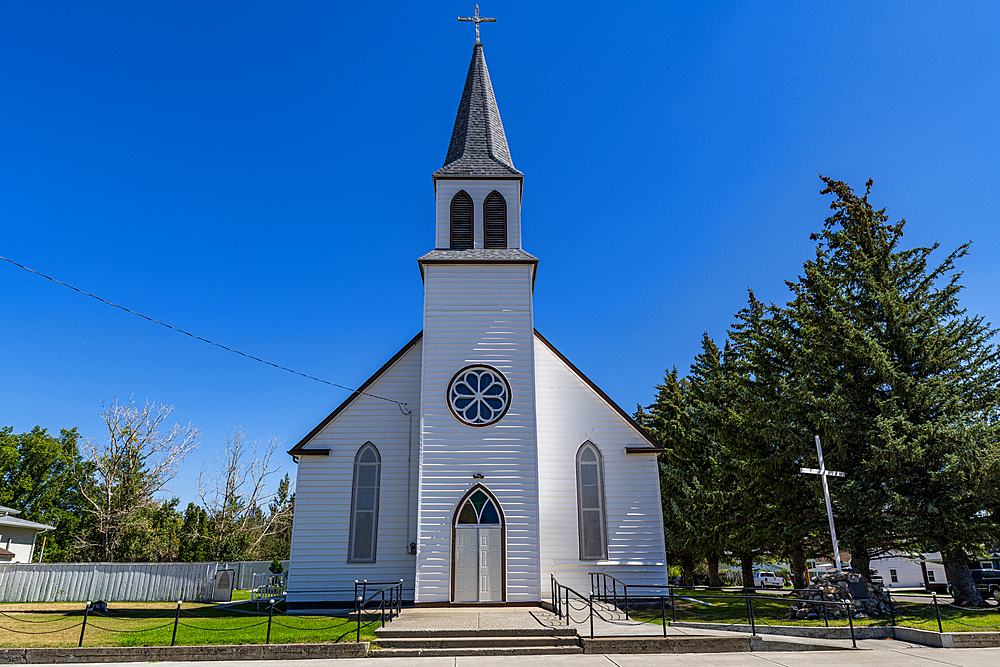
{"x":402,"y":406}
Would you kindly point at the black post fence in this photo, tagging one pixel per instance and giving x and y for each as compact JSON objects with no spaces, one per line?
{"x":591,"y":615}
{"x":850,"y":620}
{"x":177,"y":618}
{"x":937,"y":612}
{"x":270,"y":617}
{"x":83,"y":628}
{"x":357,"y":611}
{"x":663,"y":617}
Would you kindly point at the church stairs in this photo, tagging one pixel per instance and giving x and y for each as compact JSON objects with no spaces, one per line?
{"x":507,"y":641}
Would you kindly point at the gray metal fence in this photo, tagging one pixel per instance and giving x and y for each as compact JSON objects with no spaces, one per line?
{"x":118,"y":582}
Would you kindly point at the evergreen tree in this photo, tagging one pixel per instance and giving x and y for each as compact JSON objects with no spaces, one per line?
{"x":924,"y":385}
{"x":196,"y":536}
{"x":875,"y":354}
{"x":711,"y":506}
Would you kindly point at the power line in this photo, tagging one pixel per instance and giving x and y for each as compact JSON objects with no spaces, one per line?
{"x":402,"y":406}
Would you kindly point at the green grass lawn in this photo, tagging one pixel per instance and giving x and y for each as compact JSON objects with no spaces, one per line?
{"x":152,"y":624}
{"x":772,"y":612}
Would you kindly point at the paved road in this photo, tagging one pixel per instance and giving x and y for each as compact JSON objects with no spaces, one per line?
{"x":910,"y":657}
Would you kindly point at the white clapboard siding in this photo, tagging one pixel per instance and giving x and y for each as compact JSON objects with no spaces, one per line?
{"x":570,"y":412}
{"x":20,"y":541}
{"x":478,"y":189}
{"x":477,"y":314}
{"x":319,"y":569}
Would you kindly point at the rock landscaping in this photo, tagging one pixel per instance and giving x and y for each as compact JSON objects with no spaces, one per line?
{"x":837,"y":587}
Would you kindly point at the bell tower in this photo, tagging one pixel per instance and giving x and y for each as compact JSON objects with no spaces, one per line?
{"x":477,"y":420}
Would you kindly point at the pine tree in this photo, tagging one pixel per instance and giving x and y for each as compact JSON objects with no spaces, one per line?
{"x":711,"y":506}
{"x":902,"y":385}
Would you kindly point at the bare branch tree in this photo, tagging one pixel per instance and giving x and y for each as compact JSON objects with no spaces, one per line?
{"x":235,"y":495}
{"x":139,"y":458}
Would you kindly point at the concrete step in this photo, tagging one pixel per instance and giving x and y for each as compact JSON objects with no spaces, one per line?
{"x":390,"y":632}
{"x":455,"y":652}
{"x":478,"y":642}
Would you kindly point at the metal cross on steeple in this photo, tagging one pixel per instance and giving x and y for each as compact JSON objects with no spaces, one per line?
{"x":477,"y":19}
{"x":823,"y":474}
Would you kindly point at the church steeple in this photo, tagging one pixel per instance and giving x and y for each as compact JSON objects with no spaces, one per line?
{"x":478,"y":143}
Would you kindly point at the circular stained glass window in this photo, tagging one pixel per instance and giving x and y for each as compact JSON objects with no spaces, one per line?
{"x":479,"y":395}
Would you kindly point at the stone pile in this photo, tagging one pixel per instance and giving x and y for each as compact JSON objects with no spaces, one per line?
{"x":835,"y":587}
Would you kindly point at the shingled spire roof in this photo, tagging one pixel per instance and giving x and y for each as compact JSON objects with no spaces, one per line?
{"x":478,"y":144}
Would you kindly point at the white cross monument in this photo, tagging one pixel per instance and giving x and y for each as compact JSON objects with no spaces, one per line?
{"x":477,"y":19}
{"x":823,"y":474}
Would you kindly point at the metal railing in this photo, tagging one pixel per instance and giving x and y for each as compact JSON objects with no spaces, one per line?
{"x":602,"y":591}
{"x":166,"y":623}
{"x":606,"y":590}
{"x":378,"y":597}
{"x":561,"y":607}
{"x":267,"y":586}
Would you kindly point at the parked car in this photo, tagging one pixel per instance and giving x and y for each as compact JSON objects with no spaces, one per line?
{"x":986,"y":577}
{"x":876,"y":578}
{"x":768,"y":580}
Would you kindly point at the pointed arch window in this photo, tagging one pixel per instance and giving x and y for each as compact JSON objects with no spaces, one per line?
{"x":590,"y":503}
{"x":364,"y":505}
{"x":495,"y":220}
{"x":461,"y":221}
{"x":479,"y":509}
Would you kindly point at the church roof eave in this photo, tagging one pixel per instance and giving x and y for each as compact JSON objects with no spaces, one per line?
{"x":479,"y":256}
{"x":654,"y":447}
{"x":300,"y":448}
{"x":478,"y":144}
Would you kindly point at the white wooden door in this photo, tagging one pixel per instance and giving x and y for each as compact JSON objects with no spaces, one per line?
{"x":466,"y":563}
{"x":490,"y":565}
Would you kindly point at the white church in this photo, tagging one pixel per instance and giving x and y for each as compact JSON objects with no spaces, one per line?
{"x":501,"y":462}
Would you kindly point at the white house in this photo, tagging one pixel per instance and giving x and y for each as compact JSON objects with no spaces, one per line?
{"x":495,"y":461}
{"x":17,"y":536}
{"x":900,"y":570}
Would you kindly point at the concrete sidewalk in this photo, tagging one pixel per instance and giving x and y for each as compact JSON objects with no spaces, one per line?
{"x":609,"y":622}
{"x":911,"y":657}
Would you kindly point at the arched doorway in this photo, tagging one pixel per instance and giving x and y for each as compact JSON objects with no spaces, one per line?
{"x":478,"y":549}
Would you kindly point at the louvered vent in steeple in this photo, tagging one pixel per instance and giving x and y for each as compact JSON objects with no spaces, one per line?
{"x":461,"y":221}
{"x":495,"y":220}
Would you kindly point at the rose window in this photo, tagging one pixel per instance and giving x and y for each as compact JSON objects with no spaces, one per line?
{"x":479,"y":395}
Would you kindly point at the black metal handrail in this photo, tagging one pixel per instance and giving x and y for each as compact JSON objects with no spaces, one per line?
{"x":599,"y":589}
{"x":749,"y":602}
{"x":363,"y":600}
{"x":559,"y":592}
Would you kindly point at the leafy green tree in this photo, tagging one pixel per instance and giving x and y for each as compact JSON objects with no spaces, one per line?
{"x":36,"y":477}
{"x":196,"y":539}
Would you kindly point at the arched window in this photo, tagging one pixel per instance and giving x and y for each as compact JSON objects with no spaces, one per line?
{"x":495,"y":220}
{"x":479,"y":509}
{"x":364,"y":505}
{"x":590,"y":503}
{"x":461,"y":221}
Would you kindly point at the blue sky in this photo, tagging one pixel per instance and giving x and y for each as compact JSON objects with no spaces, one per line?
{"x":259,"y":174}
